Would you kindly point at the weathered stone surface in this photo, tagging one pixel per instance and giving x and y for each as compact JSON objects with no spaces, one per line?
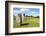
{"x":22,"y":18}
{"x":19,"y":19}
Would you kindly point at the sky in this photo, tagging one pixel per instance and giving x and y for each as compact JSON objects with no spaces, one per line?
{"x":27,"y":11}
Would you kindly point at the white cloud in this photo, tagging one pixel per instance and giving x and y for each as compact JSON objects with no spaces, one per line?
{"x":32,"y":12}
{"x":22,"y":10}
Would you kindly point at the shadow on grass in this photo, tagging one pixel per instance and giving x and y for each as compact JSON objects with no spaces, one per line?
{"x":24,"y":24}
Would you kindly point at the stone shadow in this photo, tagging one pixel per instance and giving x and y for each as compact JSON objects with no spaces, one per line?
{"x":24,"y":24}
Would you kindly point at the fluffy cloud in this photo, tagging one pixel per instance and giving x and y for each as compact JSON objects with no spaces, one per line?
{"x":28,"y":11}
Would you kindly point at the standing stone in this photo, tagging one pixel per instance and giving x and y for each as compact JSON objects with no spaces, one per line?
{"x":22,"y":18}
{"x":18,"y":19}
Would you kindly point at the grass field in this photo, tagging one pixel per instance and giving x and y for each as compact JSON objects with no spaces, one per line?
{"x":28,"y":22}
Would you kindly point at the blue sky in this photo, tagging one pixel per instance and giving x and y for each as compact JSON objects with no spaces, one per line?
{"x":27,"y":11}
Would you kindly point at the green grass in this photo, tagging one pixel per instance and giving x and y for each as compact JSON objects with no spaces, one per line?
{"x":28,"y":22}
{"x":14,"y":21}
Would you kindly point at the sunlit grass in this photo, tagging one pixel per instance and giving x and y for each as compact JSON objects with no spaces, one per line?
{"x":32,"y":22}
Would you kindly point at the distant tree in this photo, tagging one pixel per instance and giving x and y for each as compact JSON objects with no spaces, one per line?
{"x":24,"y":14}
{"x":31,"y":16}
{"x":37,"y":16}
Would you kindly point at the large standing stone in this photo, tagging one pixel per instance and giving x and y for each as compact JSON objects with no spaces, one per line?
{"x":18,"y":20}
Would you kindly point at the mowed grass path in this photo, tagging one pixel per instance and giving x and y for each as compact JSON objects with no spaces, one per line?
{"x":28,"y":22}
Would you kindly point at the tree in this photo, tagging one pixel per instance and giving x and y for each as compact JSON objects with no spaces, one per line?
{"x":24,"y":14}
{"x":37,"y":16}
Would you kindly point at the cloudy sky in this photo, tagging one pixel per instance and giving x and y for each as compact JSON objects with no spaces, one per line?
{"x":27,"y":11}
